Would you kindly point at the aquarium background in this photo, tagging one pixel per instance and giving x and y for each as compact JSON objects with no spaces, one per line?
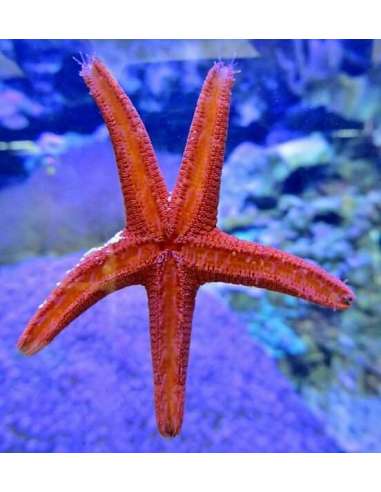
{"x":302,"y":173}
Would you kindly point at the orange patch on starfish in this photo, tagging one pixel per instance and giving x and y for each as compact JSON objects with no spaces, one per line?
{"x":171,"y":245}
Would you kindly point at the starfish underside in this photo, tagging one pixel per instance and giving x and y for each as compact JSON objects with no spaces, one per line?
{"x":171,"y":244}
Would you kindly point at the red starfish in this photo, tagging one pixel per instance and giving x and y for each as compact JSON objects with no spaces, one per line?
{"x":171,"y":244}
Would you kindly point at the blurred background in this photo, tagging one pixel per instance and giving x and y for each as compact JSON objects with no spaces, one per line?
{"x":302,"y":173}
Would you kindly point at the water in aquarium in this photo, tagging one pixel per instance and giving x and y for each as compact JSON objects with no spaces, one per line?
{"x":276,"y":255}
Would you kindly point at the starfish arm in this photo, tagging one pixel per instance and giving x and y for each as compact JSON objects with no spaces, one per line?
{"x":143,"y":187}
{"x":219,"y":257}
{"x":171,"y":294}
{"x":101,"y":271}
{"x":195,"y":197}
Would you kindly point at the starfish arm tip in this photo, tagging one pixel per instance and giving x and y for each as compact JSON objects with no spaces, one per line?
{"x":346,"y":297}
{"x":26,"y":346}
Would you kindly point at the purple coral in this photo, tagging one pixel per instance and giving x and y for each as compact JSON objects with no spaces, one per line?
{"x":91,"y":390}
